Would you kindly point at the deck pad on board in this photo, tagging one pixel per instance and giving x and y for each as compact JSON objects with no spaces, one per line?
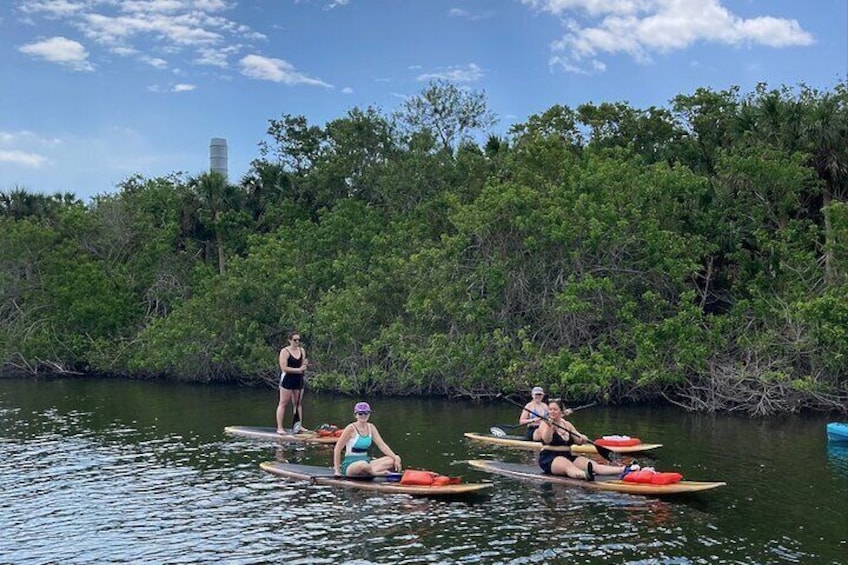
{"x":533,"y":473}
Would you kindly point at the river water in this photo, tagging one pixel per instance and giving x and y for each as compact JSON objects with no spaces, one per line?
{"x":117,"y":471}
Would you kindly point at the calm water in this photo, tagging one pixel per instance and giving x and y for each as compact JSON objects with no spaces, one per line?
{"x":101,"y":471}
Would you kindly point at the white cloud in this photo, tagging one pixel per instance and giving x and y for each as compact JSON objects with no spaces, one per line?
{"x":145,"y":27}
{"x":640,"y":28}
{"x":211,"y":5}
{"x":24,"y":158}
{"x":183,"y":87}
{"x":216,"y":57}
{"x":53,"y":8}
{"x":176,"y":30}
{"x":61,"y":50}
{"x":28,"y":137}
{"x":347,"y":90}
{"x":468,"y":15}
{"x":25,"y":148}
{"x":275,"y":70}
{"x":468,"y":73}
{"x":155,"y":62}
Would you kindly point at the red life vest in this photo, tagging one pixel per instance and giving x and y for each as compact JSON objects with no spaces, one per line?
{"x":649,"y":477}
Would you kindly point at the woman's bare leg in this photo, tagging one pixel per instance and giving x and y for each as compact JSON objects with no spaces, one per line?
{"x":382,"y":465}
{"x":359,"y":469}
{"x":598,"y":468}
{"x":297,"y":405}
{"x":285,"y":398}
{"x":562,"y":466}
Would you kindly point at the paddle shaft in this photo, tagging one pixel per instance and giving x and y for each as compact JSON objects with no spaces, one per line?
{"x":573,"y":410}
{"x":602,"y":451}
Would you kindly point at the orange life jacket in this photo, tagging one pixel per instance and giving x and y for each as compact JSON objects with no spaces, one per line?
{"x":647,"y":476}
{"x":616,"y":442}
{"x":420,"y":477}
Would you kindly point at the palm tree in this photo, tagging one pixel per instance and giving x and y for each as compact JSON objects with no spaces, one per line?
{"x":217,"y":199}
{"x":826,"y":134}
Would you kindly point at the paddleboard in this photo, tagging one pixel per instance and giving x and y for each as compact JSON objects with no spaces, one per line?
{"x":271,"y":434}
{"x":533,"y":473}
{"x":521,"y":443}
{"x":324,"y":476}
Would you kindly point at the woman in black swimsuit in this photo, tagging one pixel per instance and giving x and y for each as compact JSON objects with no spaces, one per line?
{"x":555,"y":458}
{"x":292,"y":369}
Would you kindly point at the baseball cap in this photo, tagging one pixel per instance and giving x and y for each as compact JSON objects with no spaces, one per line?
{"x":537,"y":390}
{"x":362,"y":407}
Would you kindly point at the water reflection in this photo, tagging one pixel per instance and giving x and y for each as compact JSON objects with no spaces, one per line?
{"x":837,"y":458}
{"x":110,"y":471}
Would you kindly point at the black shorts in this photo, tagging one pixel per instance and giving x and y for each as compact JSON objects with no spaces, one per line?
{"x":291,"y":381}
{"x":546,"y":459}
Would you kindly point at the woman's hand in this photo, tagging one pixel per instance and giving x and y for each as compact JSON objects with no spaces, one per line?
{"x":567,"y":412}
{"x":397,"y":462}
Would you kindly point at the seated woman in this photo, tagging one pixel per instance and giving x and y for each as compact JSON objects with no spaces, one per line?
{"x":356,"y":441}
{"x":557,"y":435}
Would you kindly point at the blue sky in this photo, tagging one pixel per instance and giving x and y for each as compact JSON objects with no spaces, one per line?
{"x":93,"y":91}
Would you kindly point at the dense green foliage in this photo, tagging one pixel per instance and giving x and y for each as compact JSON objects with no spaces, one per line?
{"x":696,"y":253}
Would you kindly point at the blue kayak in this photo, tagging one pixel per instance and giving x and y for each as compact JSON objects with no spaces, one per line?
{"x":837,"y":431}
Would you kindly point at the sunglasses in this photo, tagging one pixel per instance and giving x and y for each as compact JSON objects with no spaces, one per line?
{"x":296,"y":339}
{"x":362,"y":413}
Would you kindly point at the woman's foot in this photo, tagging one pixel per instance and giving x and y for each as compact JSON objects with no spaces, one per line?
{"x":629,"y":469}
{"x":590,"y":472}
{"x":282,"y":432}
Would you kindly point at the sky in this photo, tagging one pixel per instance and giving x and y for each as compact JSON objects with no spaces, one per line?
{"x":93,"y":92}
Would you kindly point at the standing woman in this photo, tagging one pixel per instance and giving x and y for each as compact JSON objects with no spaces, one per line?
{"x":533,"y":412}
{"x":356,"y":441}
{"x":558,"y":435}
{"x":292,"y":369}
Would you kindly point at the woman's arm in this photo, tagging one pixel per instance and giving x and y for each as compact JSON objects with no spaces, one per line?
{"x":527,"y":416}
{"x":284,"y":359}
{"x":545,"y":433}
{"x":578,"y":438}
{"x":384,"y":447}
{"x":337,"y":450}
{"x":305,"y":362}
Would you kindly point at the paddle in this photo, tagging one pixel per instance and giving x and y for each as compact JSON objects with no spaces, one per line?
{"x":498,"y":431}
{"x":602,"y":451}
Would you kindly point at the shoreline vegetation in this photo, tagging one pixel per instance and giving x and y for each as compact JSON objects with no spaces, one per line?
{"x":695,"y":254}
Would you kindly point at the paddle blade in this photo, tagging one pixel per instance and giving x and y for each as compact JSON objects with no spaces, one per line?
{"x":607,"y":454}
{"x":497,"y":432}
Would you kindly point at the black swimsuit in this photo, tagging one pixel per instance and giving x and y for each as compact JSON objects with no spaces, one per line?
{"x":547,"y":456}
{"x":292,"y":381}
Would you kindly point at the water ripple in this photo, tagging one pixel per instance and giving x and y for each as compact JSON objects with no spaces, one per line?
{"x":80,"y":488}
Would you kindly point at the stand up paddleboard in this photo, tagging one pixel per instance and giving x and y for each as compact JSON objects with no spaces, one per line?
{"x":521,"y":443}
{"x":533,"y":473}
{"x":271,"y":434}
{"x":324,"y":476}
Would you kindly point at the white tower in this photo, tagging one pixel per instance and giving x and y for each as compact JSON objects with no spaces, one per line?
{"x":218,"y":156}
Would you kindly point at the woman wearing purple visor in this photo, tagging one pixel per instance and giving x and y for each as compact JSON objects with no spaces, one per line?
{"x":356,"y":441}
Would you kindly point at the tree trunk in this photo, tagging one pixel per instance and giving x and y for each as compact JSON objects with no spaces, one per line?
{"x":219,"y":244}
